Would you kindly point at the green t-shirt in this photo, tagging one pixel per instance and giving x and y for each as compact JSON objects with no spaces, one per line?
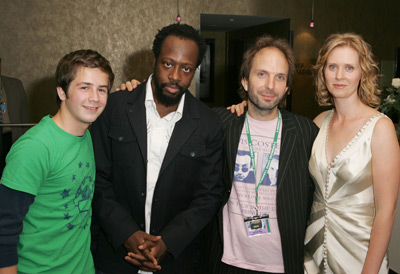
{"x":59,"y":170}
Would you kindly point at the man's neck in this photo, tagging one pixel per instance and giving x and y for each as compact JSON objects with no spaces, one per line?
{"x":62,"y":122}
{"x":262,"y":115}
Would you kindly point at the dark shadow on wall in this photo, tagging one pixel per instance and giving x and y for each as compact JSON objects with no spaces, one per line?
{"x":42,"y":99}
{"x":138,"y":65}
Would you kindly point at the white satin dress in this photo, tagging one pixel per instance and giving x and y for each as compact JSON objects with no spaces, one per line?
{"x":343,"y":209}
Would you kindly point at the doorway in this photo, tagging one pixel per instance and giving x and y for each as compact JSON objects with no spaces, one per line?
{"x":228,"y":37}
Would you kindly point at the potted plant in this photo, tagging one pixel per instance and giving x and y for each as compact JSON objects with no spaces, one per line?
{"x":390,"y":105}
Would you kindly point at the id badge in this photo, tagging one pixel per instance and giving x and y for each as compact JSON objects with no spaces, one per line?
{"x":257,"y":225}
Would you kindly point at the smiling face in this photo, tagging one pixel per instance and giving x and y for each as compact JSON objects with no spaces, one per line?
{"x":85,"y":100}
{"x":174,"y":69}
{"x":342,"y":72}
{"x":267,"y":82}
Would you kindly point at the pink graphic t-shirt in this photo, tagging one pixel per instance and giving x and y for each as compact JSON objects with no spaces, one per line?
{"x":262,"y":252}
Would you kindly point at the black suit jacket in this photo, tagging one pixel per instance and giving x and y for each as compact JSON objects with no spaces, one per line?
{"x":17,"y":110}
{"x":294,"y":188}
{"x":188,"y":191}
{"x":17,"y":104}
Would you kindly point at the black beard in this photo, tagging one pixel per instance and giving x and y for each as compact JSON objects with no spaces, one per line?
{"x":163,"y":98}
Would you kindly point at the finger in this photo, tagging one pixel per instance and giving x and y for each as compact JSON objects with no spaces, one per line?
{"x":144,"y":265}
{"x":231,"y":108}
{"x":117,"y":89}
{"x":240,"y":110}
{"x":149,"y":242}
{"x":137,"y":256}
{"x":146,"y":246}
{"x":149,"y":256}
{"x":152,"y":238}
{"x":236,"y":110}
{"x":129,"y":86}
{"x":135,"y":83}
{"x":122,"y":87}
{"x":133,"y":261}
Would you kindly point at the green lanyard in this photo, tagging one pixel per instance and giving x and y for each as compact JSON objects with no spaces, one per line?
{"x":271,"y":154}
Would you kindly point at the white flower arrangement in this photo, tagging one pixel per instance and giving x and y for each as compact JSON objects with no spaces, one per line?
{"x":396,"y":82}
{"x":390,"y":105}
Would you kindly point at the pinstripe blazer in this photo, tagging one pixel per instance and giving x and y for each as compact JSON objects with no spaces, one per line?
{"x":294,"y":188}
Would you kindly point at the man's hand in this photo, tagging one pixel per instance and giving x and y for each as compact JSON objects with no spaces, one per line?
{"x":239,"y":108}
{"x":130,"y":85}
{"x":142,"y":258}
{"x":151,"y":250}
{"x":157,"y":249}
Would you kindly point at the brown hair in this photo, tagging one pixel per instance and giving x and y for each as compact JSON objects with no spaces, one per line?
{"x":69,"y":64}
{"x":261,"y":43}
{"x":368,"y":90}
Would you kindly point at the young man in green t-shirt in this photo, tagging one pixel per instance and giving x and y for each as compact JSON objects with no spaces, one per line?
{"x":48,"y":182}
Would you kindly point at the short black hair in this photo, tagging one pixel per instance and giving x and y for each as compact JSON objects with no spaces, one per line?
{"x":183,"y":31}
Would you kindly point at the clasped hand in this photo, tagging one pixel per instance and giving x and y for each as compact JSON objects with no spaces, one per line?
{"x":145,"y":251}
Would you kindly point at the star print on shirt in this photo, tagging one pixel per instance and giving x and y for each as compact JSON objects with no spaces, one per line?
{"x":65,"y":193}
{"x":77,"y":199}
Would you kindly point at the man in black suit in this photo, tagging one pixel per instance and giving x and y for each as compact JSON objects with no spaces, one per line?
{"x":158,"y":154}
{"x":261,"y":226}
{"x":13,"y":109}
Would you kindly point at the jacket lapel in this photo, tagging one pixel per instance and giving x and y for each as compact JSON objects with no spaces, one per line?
{"x":136,"y":112}
{"x":183,"y":129}
{"x":288,"y":141}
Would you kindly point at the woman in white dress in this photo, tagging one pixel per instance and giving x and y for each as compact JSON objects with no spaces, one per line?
{"x":355,"y":164}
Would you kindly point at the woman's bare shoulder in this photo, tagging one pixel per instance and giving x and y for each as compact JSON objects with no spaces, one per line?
{"x":318,"y":120}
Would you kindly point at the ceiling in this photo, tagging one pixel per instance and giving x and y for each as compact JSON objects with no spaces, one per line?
{"x":226,"y":22}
